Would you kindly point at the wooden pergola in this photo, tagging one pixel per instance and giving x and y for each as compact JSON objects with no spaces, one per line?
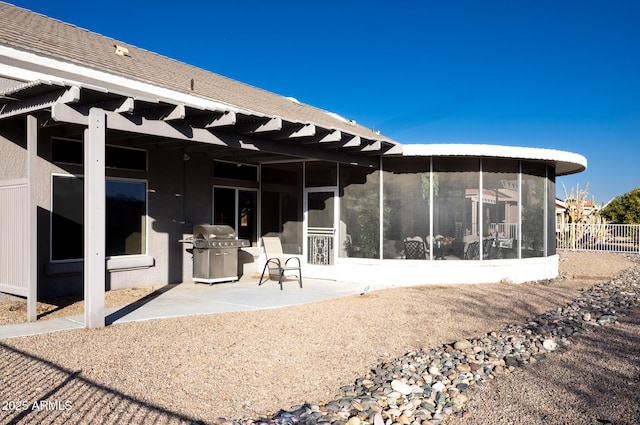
{"x":103,"y":117}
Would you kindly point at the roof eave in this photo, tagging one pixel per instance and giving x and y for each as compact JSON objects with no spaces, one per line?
{"x":565,"y":162}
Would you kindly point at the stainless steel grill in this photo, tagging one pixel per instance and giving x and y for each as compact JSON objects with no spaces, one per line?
{"x":215,"y":253}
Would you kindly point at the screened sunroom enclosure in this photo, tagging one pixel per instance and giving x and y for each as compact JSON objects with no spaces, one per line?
{"x":467,"y":208}
{"x":457,"y":208}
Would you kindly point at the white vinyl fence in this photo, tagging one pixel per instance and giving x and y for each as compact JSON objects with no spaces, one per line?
{"x":598,"y":237}
{"x":14,"y":231}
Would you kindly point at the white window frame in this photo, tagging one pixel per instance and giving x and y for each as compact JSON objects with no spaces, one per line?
{"x":81,"y":176}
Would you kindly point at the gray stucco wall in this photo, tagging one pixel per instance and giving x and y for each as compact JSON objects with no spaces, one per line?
{"x":13,"y":153}
{"x":179,"y":196}
{"x":174,"y":204}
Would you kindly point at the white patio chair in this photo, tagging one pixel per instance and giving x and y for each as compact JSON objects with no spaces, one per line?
{"x":276,"y":262}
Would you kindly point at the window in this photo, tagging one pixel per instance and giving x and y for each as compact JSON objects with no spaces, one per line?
{"x":455,"y":206}
{"x":550,"y":243}
{"x":235,"y":198}
{"x":125,"y":159}
{"x":126,"y":217}
{"x":533,"y":209}
{"x":320,"y":173}
{"x":406,"y":203}
{"x":237,"y":208}
{"x":500,"y":197}
{"x":126,"y":212}
{"x":67,"y":218}
{"x":281,"y":200}
{"x":234,"y":171}
{"x":67,"y":152}
{"x":71,"y":152}
{"x":360,"y":212}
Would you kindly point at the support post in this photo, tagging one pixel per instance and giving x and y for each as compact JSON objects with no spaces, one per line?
{"x":94,"y":219}
{"x":32,"y":219}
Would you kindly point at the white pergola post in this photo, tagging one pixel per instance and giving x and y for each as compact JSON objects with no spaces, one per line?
{"x":32,"y":213}
{"x":94,"y":219}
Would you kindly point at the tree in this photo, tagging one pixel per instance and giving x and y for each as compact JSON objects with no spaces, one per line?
{"x":623,"y":209}
{"x":580,"y":217}
{"x":576,"y":202}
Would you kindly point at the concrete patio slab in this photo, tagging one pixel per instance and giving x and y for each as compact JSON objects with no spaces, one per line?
{"x":189,"y":299}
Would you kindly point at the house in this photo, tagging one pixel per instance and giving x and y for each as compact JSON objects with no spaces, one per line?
{"x":110,"y":154}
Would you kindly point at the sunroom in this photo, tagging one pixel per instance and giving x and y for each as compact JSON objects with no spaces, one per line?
{"x":481,"y":213}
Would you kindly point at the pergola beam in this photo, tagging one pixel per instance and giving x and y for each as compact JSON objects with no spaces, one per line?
{"x":260,"y":125}
{"x":221,"y":119}
{"x":176,"y":131}
{"x":373,"y":147}
{"x":352,"y":142}
{"x":126,"y":107}
{"x":178,"y":113}
{"x":331,"y":137}
{"x":37,"y":103}
{"x":296,"y":131}
{"x":138,"y":125}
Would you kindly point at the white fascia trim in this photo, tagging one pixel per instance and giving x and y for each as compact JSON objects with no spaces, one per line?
{"x":154,"y":92}
{"x":480,"y":150}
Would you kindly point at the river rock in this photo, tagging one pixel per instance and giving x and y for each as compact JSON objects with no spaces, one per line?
{"x":377,"y":419}
{"x":462,"y":345}
{"x":463,"y":367}
{"x":549,"y":345}
{"x":416,"y":389}
{"x":401,"y":387}
{"x":354,"y":420}
{"x":438,"y":386}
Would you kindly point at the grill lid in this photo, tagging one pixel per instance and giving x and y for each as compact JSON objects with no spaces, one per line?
{"x":215,"y":236}
{"x":213,"y":232}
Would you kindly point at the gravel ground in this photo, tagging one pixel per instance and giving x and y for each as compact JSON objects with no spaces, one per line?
{"x":596,"y":382}
{"x":14,"y":310}
{"x":242,"y":365}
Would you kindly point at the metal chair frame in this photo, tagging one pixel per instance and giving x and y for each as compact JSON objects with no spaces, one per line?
{"x":276,"y":263}
{"x":414,"y":249}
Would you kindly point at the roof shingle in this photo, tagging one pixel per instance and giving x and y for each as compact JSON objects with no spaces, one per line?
{"x":33,"y":32}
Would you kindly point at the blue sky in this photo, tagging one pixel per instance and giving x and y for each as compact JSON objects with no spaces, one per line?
{"x":551,"y":74}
